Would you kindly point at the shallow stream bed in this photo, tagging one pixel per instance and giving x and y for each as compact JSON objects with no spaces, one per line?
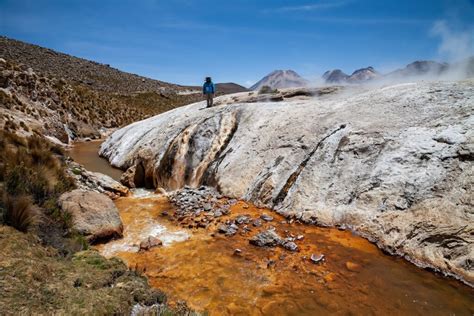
{"x":203,"y":268}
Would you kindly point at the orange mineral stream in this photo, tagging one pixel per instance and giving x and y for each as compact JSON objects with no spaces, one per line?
{"x":201,"y":267}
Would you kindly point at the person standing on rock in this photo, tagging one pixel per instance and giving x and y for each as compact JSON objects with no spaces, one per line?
{"x":208,"y":91}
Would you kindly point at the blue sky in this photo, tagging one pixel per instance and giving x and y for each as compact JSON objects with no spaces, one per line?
{"x":182,"y":41}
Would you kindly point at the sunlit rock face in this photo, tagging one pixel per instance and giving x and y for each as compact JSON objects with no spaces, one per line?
{"x":392,"y":163}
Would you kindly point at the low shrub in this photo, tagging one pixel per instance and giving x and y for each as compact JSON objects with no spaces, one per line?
{"x":266,"y":90}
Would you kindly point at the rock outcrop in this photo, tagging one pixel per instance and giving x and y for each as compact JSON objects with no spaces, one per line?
{"x":94,"y":215}
{"x":393,"y":163}
{"x":96,"y":181}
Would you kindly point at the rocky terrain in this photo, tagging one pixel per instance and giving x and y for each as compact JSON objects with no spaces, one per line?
{"x":54,"y":94}
{"x":77,"y":70}
{"x":393,"y":163}
{"x":280,"y":79}
{"x":94,"y":75}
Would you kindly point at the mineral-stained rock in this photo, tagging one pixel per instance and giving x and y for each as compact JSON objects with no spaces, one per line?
{"x":392,"y":163}
{"x":94,"y":215}
{"x":267,"y":238}
{"x":149,"y":243}
{"x":351,"y":266}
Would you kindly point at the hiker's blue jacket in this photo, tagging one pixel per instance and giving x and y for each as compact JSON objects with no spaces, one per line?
{"x":208,"y":87}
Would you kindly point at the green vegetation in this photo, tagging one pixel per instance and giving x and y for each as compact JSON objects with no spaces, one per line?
{"x":267,"y":90}
{"x":35,"y":280}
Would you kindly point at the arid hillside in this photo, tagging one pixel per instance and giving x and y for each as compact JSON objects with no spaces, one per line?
{"x":69,"y":98}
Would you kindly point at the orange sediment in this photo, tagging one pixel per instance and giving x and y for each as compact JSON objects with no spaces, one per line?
{"x":209,"y":274}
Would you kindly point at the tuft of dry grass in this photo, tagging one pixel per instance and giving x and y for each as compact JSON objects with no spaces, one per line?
{"x":33,"y":173}
{"x":20,"y":213}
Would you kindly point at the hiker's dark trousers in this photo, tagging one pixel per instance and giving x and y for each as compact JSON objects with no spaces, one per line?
{"x":210,"y":99}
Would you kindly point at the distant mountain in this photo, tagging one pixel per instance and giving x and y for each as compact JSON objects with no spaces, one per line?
{"x":358,"y":76}
{"x":420,"y":68}
{"x":363,"y":74}
{"x":279,"y":79}
{"x":229,"y":87}
{"x":335,"y":76}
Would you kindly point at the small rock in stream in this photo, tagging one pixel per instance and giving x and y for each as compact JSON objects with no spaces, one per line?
{"x":266,"y":217}
{"x":149,"y":243}
{"x":242,"y":219}
{"x":351,"y":266}
{"x":316,"y":258}
{"x":268,"y":238}
{"x":228,"y":230}
{"x":257,"y":223}
{"x":291,"y":246}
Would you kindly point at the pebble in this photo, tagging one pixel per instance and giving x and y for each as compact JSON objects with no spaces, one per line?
{"x":317,"y":258}
{"x":257,"y":223}
{"x":291,"y":246}
{"x":150,"y":242}
{"x":242,"y":219}
{"x":228,"y":230}
{"x":266,"y":217}
{"x":351,"y":266}
{"x":271,"y":263}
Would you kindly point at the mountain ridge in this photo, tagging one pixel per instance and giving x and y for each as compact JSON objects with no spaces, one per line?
{"x":278,"y":79}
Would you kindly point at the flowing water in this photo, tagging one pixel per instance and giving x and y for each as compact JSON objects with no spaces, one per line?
{"x":203,"y":268}
{"x":86,"y":154}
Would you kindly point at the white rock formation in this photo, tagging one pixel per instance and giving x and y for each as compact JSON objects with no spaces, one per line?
{"x":393,"y":163}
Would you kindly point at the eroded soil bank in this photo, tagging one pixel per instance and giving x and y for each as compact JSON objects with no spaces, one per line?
{"x":228,"y":275}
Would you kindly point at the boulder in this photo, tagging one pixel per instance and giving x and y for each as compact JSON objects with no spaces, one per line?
{"x":94,"y":215}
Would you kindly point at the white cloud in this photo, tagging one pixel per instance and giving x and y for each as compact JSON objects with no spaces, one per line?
{"x":310,"y":7}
